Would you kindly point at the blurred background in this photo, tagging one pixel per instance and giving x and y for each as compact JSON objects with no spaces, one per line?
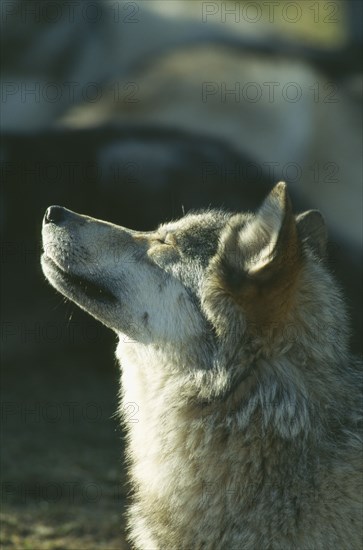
{"x":132,"y":112}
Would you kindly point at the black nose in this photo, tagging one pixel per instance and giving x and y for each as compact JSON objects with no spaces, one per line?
{"x":54,"y":214}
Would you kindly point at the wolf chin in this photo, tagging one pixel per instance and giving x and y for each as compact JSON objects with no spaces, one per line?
{"x":233,"y":344}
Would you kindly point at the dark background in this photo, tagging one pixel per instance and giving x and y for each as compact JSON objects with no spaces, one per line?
{"x":63,"y":475}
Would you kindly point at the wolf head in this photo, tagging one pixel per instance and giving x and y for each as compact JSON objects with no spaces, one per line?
{"x":226,"y":281}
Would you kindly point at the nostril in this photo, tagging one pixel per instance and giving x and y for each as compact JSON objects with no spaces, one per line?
{"x":54,"y":214}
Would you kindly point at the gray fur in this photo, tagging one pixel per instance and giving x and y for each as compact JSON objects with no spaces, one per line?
{"x":237,"y":358}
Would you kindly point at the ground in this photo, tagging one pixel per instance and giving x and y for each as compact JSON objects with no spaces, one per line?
{"x":63,"y":476}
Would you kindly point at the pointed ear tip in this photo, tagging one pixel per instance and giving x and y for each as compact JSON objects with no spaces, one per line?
{"x":280,"y":190}
{"x":312,"y":227}
{"x":314,"y":215}
{"x":280,"y":193}
{"x":318,"y":214}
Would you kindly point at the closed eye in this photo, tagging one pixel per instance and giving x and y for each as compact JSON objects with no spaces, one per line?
{"x":167,"y":240}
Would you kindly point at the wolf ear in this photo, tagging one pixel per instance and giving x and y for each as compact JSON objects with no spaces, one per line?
{"x":265,"y":245}
{"x":312,"y":230}
{"x":259,"y":259}
{"x":272,"y":238}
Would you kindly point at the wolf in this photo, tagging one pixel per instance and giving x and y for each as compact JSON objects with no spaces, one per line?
{"x":235,"y":365}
